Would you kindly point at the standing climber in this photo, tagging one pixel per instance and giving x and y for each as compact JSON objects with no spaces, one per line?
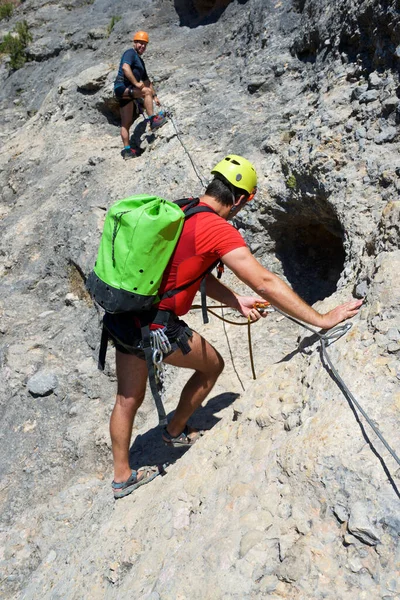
{"x":205,"y":238}
{"x":133,"y":84}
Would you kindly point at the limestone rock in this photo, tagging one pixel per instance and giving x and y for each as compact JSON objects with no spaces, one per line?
{"x":42,"y":383}
{"x":287,"y":495}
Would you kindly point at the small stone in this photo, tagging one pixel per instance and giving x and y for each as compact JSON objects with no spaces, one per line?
{"x":350,"y":540}
{"x":355,"y":564}
{"x":358,"y":91}
{"x":387,"y":135}
{"x":393,"y":334}
{"x":340,"y":513}
{"x":71,"y":299}
{"x":360,"y":133}
{"x":374,"y":81}
{"x":361,"y":289}
{"x":73,"y":411}
{"x":42,"y":383}
{"x":391,"y":103}
{"x":360,"y":524}
{"x":368,"y":96}
{"x":393,"y":347}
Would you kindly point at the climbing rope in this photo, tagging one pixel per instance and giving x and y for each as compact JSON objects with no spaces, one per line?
{"x":246,"y":323}
{"x":326,"y":338}
{"x":168,"y":113}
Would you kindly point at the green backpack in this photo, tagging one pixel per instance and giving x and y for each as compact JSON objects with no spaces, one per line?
{"x":139,"y":237}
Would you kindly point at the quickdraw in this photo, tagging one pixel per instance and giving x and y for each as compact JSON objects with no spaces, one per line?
{"x":160,"y":345}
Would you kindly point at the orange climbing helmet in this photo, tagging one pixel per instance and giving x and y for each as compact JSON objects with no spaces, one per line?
{"x":141,"y":36}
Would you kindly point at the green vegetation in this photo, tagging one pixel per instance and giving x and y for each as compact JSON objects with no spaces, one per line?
{"x":291,"y":182}
{"x":114,"y":20}
{"x":14,"y":44}
{"x":6,"y":10}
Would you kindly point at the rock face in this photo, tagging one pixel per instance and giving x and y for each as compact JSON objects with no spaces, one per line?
{"x":290,"y":494}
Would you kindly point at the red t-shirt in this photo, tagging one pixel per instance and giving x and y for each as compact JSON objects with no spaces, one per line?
{"x":205,"y":238}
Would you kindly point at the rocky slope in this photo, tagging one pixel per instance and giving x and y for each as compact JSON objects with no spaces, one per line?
{"x":288,"y":495}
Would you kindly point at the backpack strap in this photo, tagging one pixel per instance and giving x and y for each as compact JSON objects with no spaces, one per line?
{"x":103,"y":349}
{"x":192,"y":208}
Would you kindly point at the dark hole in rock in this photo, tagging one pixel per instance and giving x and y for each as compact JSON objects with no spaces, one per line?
{"x":312,"y":259}
{"x":193,"y":13}
{"x":110,"y":109}
{"x":308,"y":241}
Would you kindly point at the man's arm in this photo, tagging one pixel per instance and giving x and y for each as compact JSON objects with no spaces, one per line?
{"x":244,"y":304}
{"x":130,"y":76}
{"x":270,"y":287}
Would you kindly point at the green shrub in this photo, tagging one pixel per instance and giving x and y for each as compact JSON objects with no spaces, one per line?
{"x":6,"y":10}
{"x":114,"y":20}
{"x":15,"y":43}
{"x":22,"y":29}
{"x":291,"y":182}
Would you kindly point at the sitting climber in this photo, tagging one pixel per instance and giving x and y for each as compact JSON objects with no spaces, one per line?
{"x":206,"y":237}
{"x":133,"y":84}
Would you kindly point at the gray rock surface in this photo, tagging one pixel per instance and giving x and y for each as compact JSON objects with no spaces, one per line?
{"x":288,"y":495}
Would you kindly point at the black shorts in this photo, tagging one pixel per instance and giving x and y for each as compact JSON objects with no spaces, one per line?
{"x":124,"y":331}
{"x":119,"y":90}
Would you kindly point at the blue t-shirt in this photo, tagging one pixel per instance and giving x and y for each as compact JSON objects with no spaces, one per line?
{"x":136,"y":63}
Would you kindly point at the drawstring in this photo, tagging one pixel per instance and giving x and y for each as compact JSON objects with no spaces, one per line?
{"x":117,"y":222}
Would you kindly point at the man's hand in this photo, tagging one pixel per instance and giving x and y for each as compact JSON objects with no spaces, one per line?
{"x":340,"y":313}
{"x":156,"y":100}
{"x":247,"y":307}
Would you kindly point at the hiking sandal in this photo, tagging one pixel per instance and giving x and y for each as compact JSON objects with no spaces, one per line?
{"x":182,"y":440}
{"x":127,"y":154}
{"x":127,"y":487}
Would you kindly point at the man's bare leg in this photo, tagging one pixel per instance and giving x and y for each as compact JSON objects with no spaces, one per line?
{"x":126,"y":113}
{"x":132,"y":378}
{"x":208,"y":365}
{"x":147,"y":96}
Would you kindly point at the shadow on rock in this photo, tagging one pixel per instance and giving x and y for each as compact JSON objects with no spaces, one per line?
{"x":304,"y":346}
{"x":136,"y":137}
{"x":149,"y":449}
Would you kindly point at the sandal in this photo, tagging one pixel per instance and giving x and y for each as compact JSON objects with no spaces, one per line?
{"x":127,"y":487}
{"x":182,"y":440}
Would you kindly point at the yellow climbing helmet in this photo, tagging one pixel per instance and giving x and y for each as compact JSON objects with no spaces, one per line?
{"x":141,"y":36}
{"x":238,"y":171}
